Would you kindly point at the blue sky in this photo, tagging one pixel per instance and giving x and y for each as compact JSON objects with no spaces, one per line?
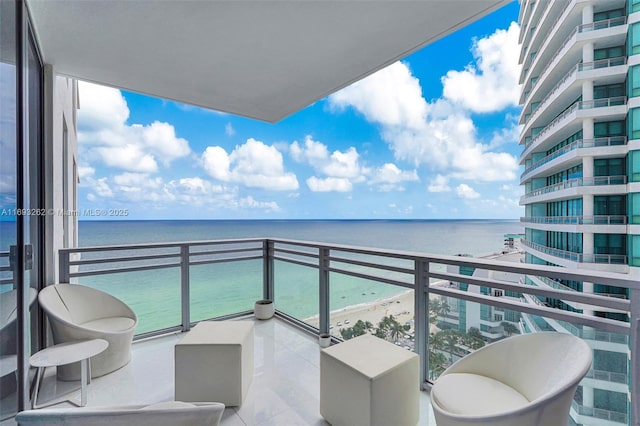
{"x":432,"y":136}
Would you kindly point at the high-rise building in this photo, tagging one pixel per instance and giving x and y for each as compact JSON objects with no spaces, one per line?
{"x":581,"y":155}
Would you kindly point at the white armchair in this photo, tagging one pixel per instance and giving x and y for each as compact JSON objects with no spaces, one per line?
{"x":78,"y":312}
{"x":173,"y":413}
{"x":526,"y":380}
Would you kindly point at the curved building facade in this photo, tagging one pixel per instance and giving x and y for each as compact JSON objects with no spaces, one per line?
{"x":580,"y":142}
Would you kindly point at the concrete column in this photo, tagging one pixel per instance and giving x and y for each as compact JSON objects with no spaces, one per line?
{"x":587,"y":205}
{"x":587,"y":126}
{"x":587,"y":167}
{"x":587,"y":245}
{"x":587,"y":92}
{"x":587,"y":53}
{"x":587,"y":396}
{"x":587,"y":14}
{"x":587,"y":172}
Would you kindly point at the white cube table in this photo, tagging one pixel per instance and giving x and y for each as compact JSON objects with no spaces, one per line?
{"x":214,"y":362}
{"x":369,"y":381}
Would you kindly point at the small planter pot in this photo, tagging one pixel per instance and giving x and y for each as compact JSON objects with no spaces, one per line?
{"x":263,"y":309}
{"x":325,"y":340}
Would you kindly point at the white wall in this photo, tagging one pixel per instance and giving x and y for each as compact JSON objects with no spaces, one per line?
{"x":60,"y":106}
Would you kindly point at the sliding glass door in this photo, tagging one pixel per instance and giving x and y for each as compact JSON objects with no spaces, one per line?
{"x":21,"y":203}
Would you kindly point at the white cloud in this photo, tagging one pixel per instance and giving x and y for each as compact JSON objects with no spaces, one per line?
{"x":439,"y":135}
{"x":161,"y":139}
{"x":85,"y":171}
{"x":101,"y":107}
{"x":395,"y":101}
{"x":491,"y":84}
{"x":330,"y":184}
{"x":188,"y":193}
{"x":250,"y":202}
{"x":439,"y":184}
{"x":105,"y":136}
{"x":216,"y":163}
{"x":229,"y":130}
{"x":341,"y":168}
{"x":99,"y":187}
{"x":127,"y":157}
{"x":465,"y":191}
{"x":389,"y":177}
{"x":141,"y":180}
{"x":253,"y":164}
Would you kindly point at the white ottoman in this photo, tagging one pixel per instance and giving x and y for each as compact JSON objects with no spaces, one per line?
{"x":214,"y":362}
{"x":368,"y":381}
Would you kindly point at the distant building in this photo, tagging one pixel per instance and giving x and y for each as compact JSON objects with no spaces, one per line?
{"x":489,"y":320}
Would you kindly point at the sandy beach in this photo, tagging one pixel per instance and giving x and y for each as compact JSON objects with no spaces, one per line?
{"x":401,"y":307}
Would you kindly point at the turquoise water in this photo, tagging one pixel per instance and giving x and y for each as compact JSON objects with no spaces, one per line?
{"x":227,"y":288}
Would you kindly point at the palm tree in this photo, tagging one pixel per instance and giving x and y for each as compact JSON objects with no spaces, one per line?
{"x":358,"y":329}
{"x":509,"y":328}
{"x":396,"y":330}
{"x":434,"y":309}
{"x":437,"y":364}
{"x":474,"y":332}
{"x":444,"y":309}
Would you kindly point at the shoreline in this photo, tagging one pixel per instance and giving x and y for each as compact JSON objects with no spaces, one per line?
{"x":400,"y":306}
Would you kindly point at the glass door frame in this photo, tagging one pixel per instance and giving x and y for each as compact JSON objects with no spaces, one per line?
{"x":25,"y":40}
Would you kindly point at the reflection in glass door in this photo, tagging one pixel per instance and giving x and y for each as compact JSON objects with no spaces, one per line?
{"x":20,"y":196}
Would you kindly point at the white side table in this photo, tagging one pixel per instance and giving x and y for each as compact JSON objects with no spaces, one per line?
{"x":67,"y":353}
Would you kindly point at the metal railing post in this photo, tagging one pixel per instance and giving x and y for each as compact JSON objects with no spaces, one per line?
{"x":184,"y":287}
{"x":63,"y":266}
{"x":267,"y":270}
{"x":634,"y":346}
{"x":323,"y":285}
{"x":421,"y":318}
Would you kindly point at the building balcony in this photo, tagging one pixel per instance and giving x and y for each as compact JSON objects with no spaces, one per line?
{"x":569,"y":87}
{"x":546,"y":282}
{"x":569,"y":50}
{"x":569,"y":121}
{"x":612,"y":259}
{"x":614,"y":417}
{"x":172,"y":286}
{"x":545,"y":27}
{"x":577,"y":220}
{"x":575,"y":187}
{"x":602,"y":144}
{"x":599,"y":224}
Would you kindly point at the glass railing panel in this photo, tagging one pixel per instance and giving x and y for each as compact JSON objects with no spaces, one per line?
{"x":224,"y":288}
{"x":458,"y":328}
{"x":296,"y":291}
{"x":359,"y":306}
{"x":154,"y":295}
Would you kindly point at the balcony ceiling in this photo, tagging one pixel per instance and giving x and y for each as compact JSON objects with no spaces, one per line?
{"x":260,"y":59}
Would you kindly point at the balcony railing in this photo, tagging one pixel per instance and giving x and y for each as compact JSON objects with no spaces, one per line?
{"x":580,"y":105}
{"x":608,"y":376}
{"x":616,"y":259}
{"x":577,"y":182}
{"x":256,"y":268}
{"x":586,"y":66}
{"x":598,"y":413}
{"x":580,"y":143}
{"x":577,"y":220}
{"x":608,"y":23}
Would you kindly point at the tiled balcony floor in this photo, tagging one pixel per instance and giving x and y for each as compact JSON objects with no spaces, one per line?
{"x":285,"y":389}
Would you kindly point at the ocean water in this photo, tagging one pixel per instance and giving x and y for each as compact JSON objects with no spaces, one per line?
{"x":475,"y":237}
{"x":227,"y":288}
